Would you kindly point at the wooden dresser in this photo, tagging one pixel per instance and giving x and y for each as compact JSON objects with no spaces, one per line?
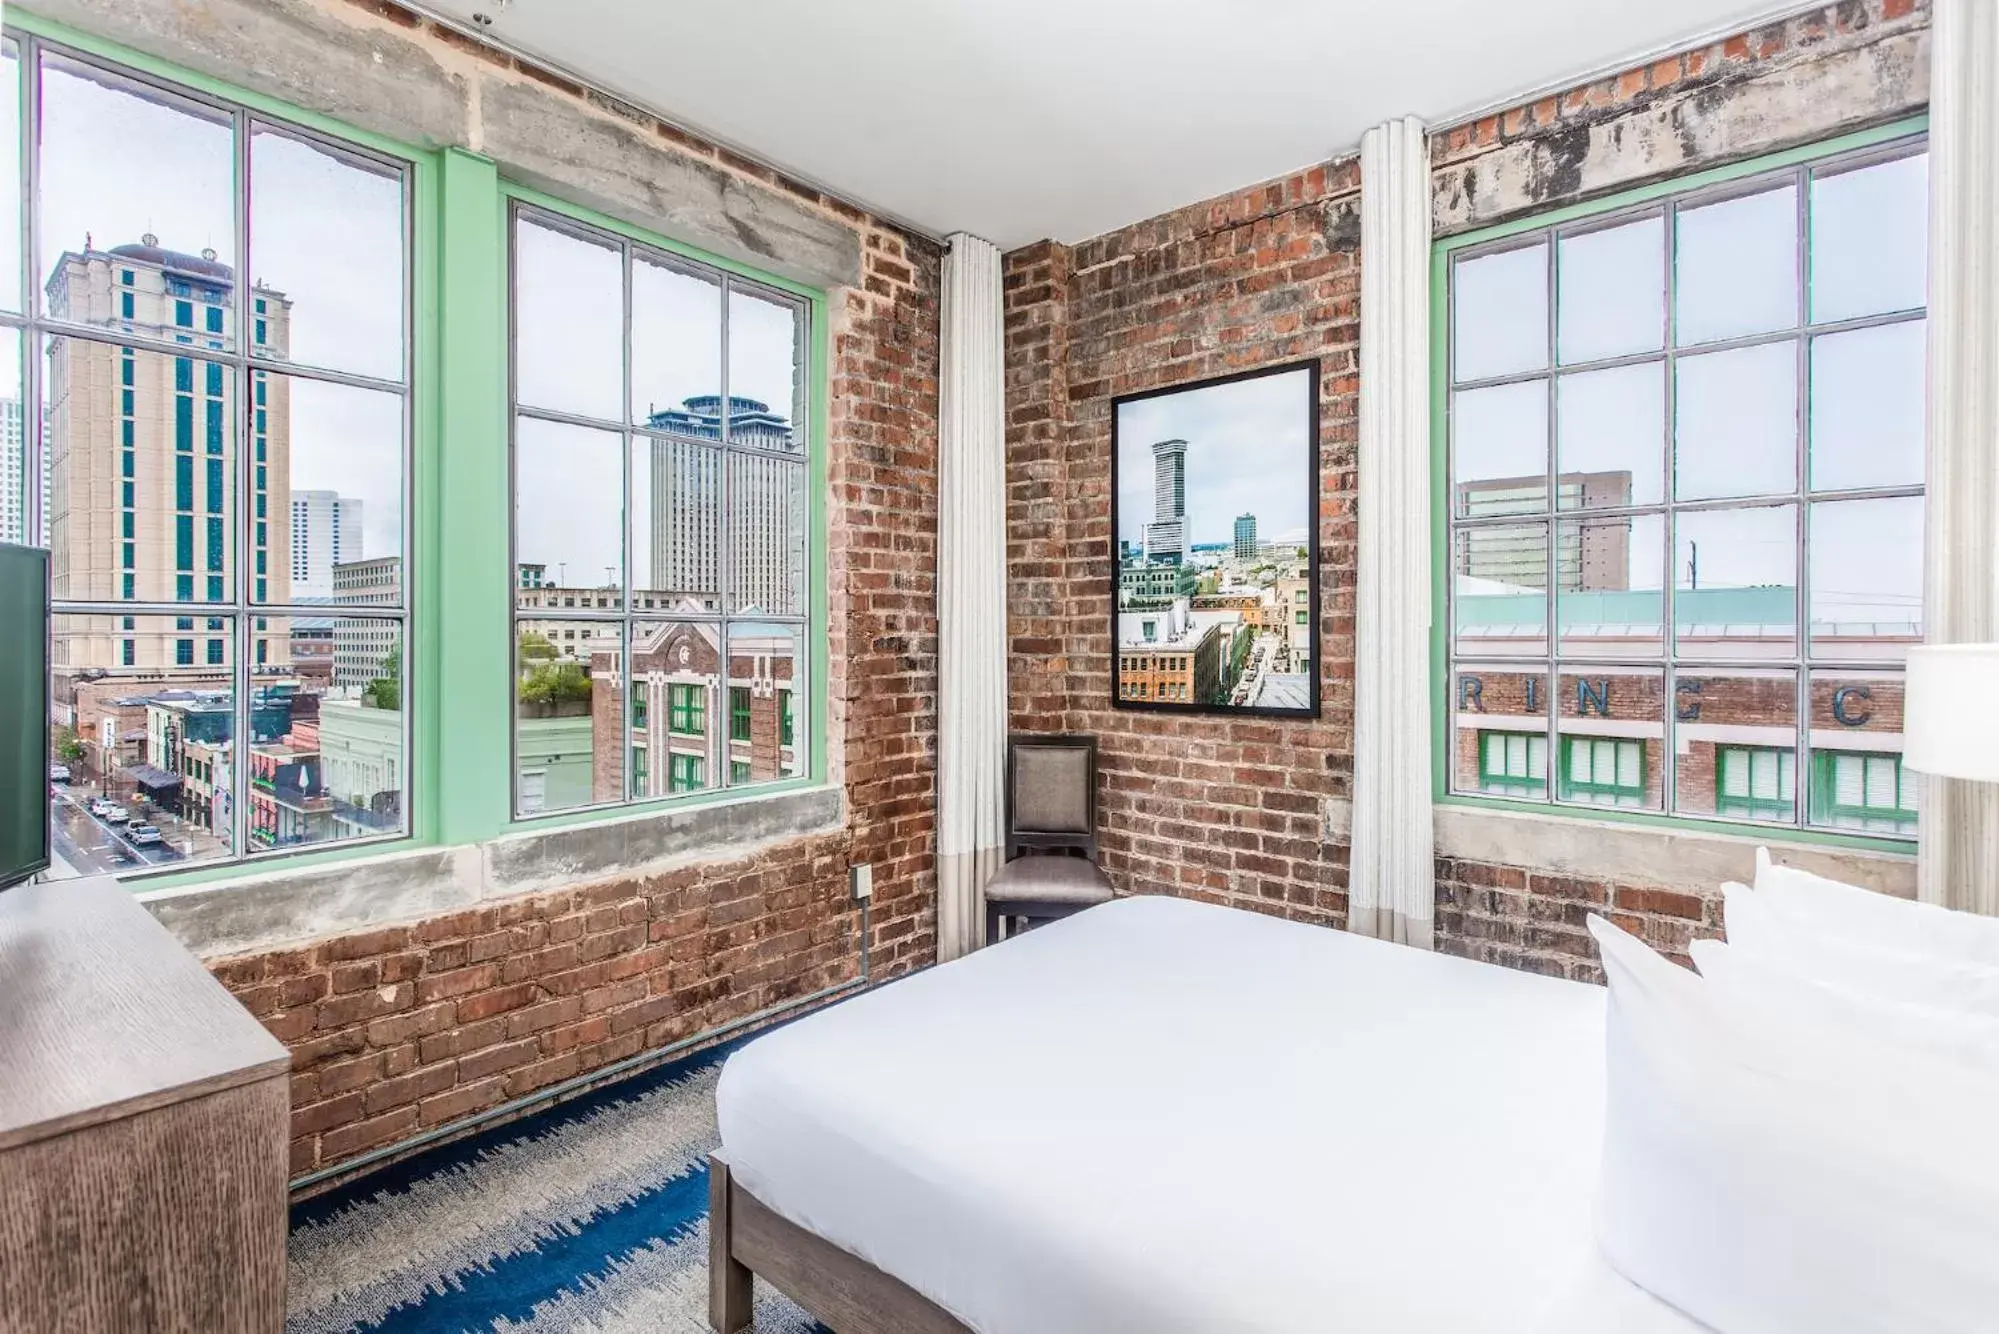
{"x":143,"y":1127}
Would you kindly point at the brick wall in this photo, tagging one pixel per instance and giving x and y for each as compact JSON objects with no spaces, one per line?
{"x":412,"y":1025}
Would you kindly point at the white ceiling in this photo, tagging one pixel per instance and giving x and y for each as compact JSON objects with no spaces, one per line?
{"x":1023,"y":119}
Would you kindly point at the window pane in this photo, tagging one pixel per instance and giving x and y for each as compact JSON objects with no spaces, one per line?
{"x":676,"y":526}
{"x":1870,"y":239}
{"x":1735,"y":739}
{"x":1867,"y":578}
{"x":1867,"y":407}
{"x":10,"y":176}
{"x":1501,"y":579}
{"x":20,"y":449}
{"x":1736,"y":583}
{"x":1610,"y":724}
{"x":1501,"y":731}
{"x":1610,"y":597}
{"x":1499,"y":449}
{"x":326,"y":256}
{"x":766,"y":372}
{"x":1736,"y":267}
{"x":676,"y":348}
{"x":569,"y":486}
{"x":1612,"y":437}
{"x":569,"y":317}
{"x":339,"y":500}
{"x":765,"y":737}
{"x":1858,"y":782}
{"x":1736,"y":423}
{"x":1499,"y":313}
{"x":334,"y":768}
{"x":166,"y":426}
{"x":1612,"y":291}
{"x":144,"y":715}
{"x":134,"y":181}
{"x":565,"y":735}
{"x":677,"y":711}
{"x":766,"y":556}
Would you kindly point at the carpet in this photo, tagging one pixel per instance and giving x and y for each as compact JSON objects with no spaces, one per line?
{"x":592,"y":1215}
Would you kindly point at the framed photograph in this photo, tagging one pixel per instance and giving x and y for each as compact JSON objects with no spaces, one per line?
{"x":1215,"y":521}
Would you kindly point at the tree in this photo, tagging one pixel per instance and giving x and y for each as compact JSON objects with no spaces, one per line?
{"x":555,"y":683}
{"x":69,"y":748}
{"x":386,"y":690}
{"x":536,"y":647}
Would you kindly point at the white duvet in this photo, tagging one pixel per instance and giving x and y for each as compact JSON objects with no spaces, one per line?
{"x":1162,"y":1116}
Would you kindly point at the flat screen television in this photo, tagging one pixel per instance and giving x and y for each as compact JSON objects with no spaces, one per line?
{"x":24,"y":712}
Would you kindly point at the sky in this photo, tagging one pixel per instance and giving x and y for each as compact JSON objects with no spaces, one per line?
{"x":1248,"y":452}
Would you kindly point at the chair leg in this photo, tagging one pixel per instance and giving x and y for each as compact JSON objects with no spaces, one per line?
{"x":992,"y":924}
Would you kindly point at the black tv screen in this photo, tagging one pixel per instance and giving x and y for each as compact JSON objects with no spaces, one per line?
{"x":24,"y":712}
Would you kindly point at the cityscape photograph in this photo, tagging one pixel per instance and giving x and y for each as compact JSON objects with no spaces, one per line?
{"x":1216,"y":486}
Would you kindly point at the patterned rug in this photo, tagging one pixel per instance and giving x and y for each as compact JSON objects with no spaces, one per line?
{"x":592,"y":1215}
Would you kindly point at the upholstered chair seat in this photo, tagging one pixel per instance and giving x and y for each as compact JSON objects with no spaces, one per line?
{"x":1049,"y":877}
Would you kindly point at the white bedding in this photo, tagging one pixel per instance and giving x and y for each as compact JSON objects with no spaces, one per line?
{"x":1162,"y":1116}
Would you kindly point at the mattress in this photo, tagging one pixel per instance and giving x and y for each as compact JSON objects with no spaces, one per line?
{"x":1164,"y":1116}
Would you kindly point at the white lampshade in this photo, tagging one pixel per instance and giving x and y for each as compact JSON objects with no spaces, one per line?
{"x":1950,"y":715}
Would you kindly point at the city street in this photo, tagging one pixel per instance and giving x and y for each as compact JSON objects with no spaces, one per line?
{"x":89,"y":846}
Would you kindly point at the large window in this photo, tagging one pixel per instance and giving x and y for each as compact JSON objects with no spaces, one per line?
{"x":1684,"y":496}
{"x":205,"y":369}
{"x":660,"y":519}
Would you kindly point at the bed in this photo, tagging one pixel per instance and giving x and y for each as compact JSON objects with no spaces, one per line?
{"x":1170,"y":1117}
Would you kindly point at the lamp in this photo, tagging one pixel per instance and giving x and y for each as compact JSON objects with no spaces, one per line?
{"x":1950,"y":711}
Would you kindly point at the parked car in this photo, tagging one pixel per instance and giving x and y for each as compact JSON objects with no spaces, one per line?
{"x":99,"y":807}
{"x":117,"y":815}
{"x":58,"y":773}
{"x":144,"y":835}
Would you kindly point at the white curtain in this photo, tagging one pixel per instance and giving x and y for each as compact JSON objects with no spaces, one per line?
{"x":1392,"y":868}
{"x":971,"y":593}
{"x":1958,"y":862}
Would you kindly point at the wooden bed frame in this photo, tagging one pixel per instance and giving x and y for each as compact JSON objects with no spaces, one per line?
{"x":847,"y":1294}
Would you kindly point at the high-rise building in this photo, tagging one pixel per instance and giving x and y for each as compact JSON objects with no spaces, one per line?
{"x":326,"y":531}
{"x":361,"y":648}
{"x":1166,"y":535}
{"x":1245,"y":537}
{"x":766,"y":500}
{"x":16,"y":452}
{"x":143,"y":463}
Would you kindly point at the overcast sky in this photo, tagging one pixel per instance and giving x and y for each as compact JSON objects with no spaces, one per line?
{"x":1248,"y":452}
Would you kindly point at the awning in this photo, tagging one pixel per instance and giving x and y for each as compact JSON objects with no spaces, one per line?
{"x":152,"y":778}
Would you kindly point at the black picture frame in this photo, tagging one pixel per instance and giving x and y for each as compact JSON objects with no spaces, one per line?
{"x":1263,"y":655}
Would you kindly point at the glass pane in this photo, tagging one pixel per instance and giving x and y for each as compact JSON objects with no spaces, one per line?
{"x":1612,"y":286}
{"x":333,"y":767}
{"x":676,"y":526}
{"x":766,"y":724}
{"x":326,"y":257}
{"x":1857,"y":779}
{"x":1867,"y":578}
{"x":1736,"y":267}
{"x":1735,"y":738}
{"x":1736,"y":583}
{"x":143,"y":717}
{"x":1736,"y":423}
{"x":1870,"y":239}
{"x":1501,"y":577}
{"x":565,"y":738}
{"x":1867,"y":407}
{"x":1499,"y":313}
{"x":569,"y":323}
{"x":569,"y":486}
{"x":1612,"y":427}
{"x":676,"y":709}
{"x":142,"y":475}
{"x":1500,"y":736}
{"x":137,"y":220}
{"x":10,"y":177}
{"x":676,"y":348}
{"x":1610,"y":727}
{"x":766,"y":372}
{"x":766,"y":556}
{"x":1610,"y":590}
{"x":1499,"y":449}
{"x":338,"y":501}
{"x":19,"y":449}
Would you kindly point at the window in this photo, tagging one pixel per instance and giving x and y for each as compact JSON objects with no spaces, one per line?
{"x":135,"y":385}
{"x":1512,"y":762}
{"x":639,"y":693}
{"x":739,"y":771}
{"x":1684,"y":447}
{"x":660,"y":498}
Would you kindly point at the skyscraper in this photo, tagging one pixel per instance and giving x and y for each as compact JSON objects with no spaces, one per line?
{"x":1245,"y":537}
{"x":361,"y":648}
{"x":16,"y":451}
{"x":1166,"y":535}
{"x":766,"y":503}
{"x":326,"y":531}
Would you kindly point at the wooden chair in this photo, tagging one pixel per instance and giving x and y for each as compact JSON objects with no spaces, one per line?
{"x":1051,"y":816}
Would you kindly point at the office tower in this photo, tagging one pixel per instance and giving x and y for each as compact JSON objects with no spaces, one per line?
{"x":326,"y":531}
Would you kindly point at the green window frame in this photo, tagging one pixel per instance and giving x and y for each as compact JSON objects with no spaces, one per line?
{"x":1512,"y":762}
{"x":686,"y":773}
{"x":640,"y":694}
{"x":784,"y":717}
{"x":686,"y":709}
{"x":639,"y":774}
{"x":1865,"y":790}
{"x":1603,"y":771}
{"x":739,"y":772}
{"x":1755,"y":782}
{"x":739,"y":713}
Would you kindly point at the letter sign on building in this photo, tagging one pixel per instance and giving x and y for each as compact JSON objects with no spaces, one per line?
{"x":1844,"y":715}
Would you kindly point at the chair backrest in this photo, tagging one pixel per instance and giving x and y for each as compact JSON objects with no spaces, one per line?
{"x":1051,"y":793}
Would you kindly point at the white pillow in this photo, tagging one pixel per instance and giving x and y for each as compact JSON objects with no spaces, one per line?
{"x":1794,"y":941}
{"x":1771,"y":1177}
{"x":1880,"y":921}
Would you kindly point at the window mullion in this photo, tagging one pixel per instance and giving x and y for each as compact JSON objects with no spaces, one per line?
{"x":241,"y":377}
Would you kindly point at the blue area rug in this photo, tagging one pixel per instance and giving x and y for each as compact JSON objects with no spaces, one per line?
{"x":592,"y":1215}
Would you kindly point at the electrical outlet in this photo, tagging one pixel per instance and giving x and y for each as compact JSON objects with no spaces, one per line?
{"x":861,"y":879}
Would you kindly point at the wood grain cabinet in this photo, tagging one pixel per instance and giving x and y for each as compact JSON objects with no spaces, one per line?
{"x":143,"y":1127}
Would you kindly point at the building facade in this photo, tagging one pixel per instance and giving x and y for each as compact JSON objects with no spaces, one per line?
{"x":1245,"y":537}
{"x":764,"y":492}
{"x":1166,"y":535}
{"x":326,"y":531}
{"x":362,"y":647}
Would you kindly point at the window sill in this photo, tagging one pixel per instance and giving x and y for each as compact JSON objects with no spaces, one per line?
{"x":288,"y":904}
